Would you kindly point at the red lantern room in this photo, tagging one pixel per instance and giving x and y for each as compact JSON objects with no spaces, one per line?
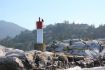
{"x":39,"y":24}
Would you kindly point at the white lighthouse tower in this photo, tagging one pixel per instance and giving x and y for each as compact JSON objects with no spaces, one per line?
{"x":39,"y":45}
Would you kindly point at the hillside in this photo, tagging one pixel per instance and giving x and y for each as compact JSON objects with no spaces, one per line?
{"x":59,"y":31}
{"x":9,"y":29}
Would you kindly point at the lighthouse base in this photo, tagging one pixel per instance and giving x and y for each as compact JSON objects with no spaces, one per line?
{"x":40,"y":47}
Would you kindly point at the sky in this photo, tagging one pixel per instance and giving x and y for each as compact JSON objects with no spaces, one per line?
{"x":26,"y":12}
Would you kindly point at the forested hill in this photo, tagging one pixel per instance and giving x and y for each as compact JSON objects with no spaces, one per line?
{"x":61,"y":31}
{"x":58,"y":31}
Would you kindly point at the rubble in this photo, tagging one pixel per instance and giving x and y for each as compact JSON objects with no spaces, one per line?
{"x":85,"y":54}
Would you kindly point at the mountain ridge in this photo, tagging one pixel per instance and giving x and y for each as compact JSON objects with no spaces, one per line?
{"x":9,"y":29}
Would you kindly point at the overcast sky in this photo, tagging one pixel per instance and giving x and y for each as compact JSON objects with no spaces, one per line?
{"x":26,"y":12}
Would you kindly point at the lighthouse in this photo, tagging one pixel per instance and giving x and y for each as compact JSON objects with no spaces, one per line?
{"x":39,"y":43}
{"x":39,"y":25}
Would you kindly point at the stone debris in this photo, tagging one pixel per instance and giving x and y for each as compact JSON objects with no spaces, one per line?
{"x":92,"y":55}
